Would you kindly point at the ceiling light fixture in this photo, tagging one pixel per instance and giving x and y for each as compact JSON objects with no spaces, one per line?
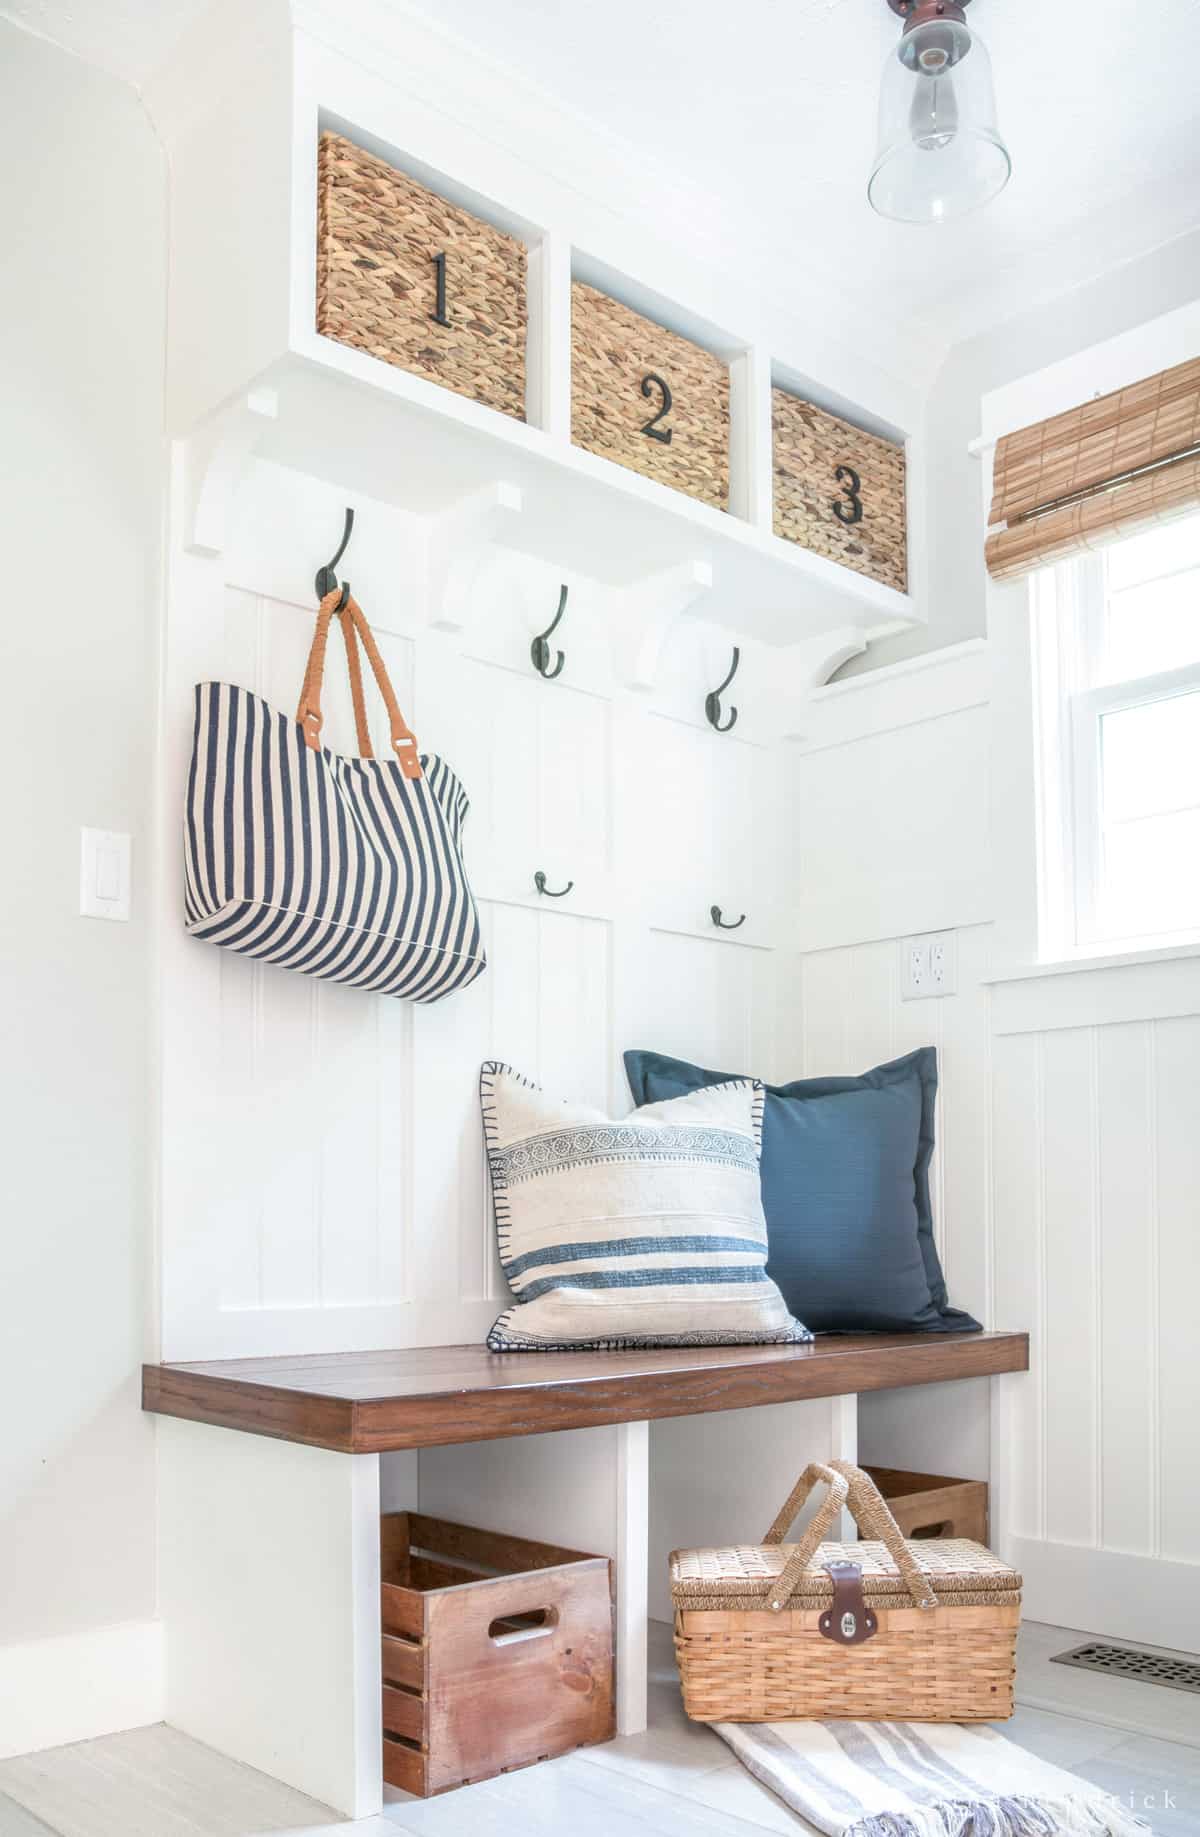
{"x":940,"y":152}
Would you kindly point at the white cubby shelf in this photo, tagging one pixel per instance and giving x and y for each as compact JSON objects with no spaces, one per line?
{"x":249,"y":374}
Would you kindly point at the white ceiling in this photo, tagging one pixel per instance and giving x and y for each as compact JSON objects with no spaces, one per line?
{"x":769,"y":107}
{"x":771,"y":104}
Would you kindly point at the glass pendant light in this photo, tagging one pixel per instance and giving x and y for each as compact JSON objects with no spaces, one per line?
{"x":940,"y":152}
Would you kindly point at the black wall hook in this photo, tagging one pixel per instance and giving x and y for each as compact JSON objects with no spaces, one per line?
{"x":715,"y":914}
{"x":712,"y":701}
{"x":539,"y":650}
{"x":539,"y":881}
{"x":326,"y":579}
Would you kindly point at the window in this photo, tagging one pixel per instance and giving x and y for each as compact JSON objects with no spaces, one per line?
{"x":1117,"y":662}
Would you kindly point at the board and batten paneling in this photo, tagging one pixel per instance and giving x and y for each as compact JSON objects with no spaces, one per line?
{"x":1067,"y":1166}
{"x":323,"y":1180}
{"x":852,"y":1017}
{"x":1097,"y":1171}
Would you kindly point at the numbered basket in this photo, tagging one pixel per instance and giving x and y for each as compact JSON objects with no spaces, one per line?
{"x":877,"y":1631}
{"x":648,"y":398}
{"x":417,"y":281}
{"x":839,"y":491}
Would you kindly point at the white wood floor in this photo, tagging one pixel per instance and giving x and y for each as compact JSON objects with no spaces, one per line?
{"x":676,"y":1780}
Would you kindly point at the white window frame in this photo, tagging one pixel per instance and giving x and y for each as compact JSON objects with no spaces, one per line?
{"x":1069,"y":612}
{"x":1030,"y":933}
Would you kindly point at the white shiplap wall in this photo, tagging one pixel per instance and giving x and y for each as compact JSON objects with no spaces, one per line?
{"x":1067,"y":1167}
{"x":322,"y":1173}
{"x":1097,"y":1168}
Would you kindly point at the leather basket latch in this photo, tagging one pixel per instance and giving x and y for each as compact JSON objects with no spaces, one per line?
{"x":849,"y":1621}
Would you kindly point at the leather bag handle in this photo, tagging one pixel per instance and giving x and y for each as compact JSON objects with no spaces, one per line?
{"x":308,"y":714}
{"x":847,"y":1484}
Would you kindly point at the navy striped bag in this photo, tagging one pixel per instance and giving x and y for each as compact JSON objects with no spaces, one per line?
{"x":347,"y":869}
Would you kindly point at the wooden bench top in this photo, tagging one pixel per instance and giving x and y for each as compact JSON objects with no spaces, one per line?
{"x":428,"y":1397}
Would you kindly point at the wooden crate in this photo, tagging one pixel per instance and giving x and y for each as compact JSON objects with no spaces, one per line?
{"x":497,"y":1652}
{"x":648,"y":398}
{"x":839,"y":491}
{"x":417,"y":281}
{"x":930,"y":1505}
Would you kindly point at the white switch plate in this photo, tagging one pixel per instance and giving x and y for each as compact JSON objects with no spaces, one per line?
{"x":105,"y":877}
{"x":928,"y":965}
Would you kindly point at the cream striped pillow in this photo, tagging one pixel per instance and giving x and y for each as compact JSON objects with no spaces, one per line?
{"x":643,"y":1232}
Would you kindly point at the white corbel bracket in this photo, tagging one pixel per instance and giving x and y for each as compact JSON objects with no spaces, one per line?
{"x":217,"y":455}
{"x":808,"y":666}
{"x":650,"y":608}
{"x":459,"y":538}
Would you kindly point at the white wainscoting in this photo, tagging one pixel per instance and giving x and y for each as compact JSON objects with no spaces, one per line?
{"x":1067,"y":1168}
{"x":1097,"y":1170}
{"x":322,"y":1171}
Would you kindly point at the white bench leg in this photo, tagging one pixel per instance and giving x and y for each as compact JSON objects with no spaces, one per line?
{"x":720,"y":1479}
{"x":632,"y":1554}
{"x":585,"y":1488}
{"x":843,"y":1446}
{"x":269,"y":1589}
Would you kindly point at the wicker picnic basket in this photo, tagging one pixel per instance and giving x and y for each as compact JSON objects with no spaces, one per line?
{"x":882,"y":1630}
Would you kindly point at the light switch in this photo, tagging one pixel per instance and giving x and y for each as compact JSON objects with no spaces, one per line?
{"x":105,"y":857}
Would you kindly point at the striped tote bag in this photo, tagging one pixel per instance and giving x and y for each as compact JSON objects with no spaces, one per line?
{"x":348,"y":869}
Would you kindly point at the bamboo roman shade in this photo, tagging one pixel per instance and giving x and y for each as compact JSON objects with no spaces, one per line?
{"x":1102,"y":470}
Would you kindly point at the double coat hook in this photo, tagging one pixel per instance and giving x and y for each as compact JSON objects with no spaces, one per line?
{"x":712,"y":701}
{"x":539,"y":650}
{"x":326,"y":580}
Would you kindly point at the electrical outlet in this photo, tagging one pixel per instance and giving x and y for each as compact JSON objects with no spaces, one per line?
{"x":943,"y":963}
{"x":928,"y":966}
{"x":915,"y":979}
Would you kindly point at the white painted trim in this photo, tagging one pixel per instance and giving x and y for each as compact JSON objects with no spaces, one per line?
{"x":905,"y":666}
{"x":904,"y":694}
{"x":81,"y":1685}
{"x":632,"y":1573}
{"x":894,"y":909}
{"x":1172,"y":338}
{"x":1115,"y":363}
{"x":1108,"y":1592}
{"x":1069,"y":966}
{"x":1098,"y":997}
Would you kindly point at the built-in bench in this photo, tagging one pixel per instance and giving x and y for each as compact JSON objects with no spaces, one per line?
{"x":269,"y":1559}
{"x":433,"y":1396}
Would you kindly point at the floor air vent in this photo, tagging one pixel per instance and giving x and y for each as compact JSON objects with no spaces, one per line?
{"x":1128,"y":1662}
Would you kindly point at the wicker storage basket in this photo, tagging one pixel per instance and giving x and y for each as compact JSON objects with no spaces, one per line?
{"x":839,"y":491}
{"x":878,"y":1631}
{"x":648,"y":398}
{"x":409,"y":277}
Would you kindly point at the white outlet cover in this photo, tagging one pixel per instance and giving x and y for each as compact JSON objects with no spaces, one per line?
{"x":928,"y":965}
{"x":943,"y":963}
{"x":105,"y":873}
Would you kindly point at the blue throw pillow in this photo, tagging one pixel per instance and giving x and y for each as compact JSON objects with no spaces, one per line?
{"x":845,"y":1186}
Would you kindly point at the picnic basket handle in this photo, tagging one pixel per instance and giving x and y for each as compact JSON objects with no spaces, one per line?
{"x":308,"y":714}
{"x":848,"y":1485}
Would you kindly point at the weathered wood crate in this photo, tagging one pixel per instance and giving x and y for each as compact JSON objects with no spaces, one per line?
{"x":839,"y":491}
{"x":932,"y":1505}
{"x":417,"y":281}
{"x":497,"y":1652}
{"x":648,"y":398}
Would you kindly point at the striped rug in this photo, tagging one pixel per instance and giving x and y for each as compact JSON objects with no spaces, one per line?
{"x":922,"y":1779}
